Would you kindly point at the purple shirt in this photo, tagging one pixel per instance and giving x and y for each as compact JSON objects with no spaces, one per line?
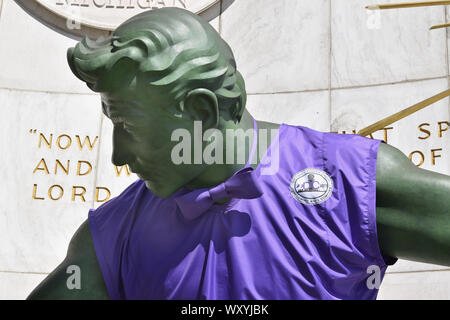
{"x":291,"y":243}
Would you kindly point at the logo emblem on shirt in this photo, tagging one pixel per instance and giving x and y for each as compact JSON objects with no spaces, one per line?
{"x":311,"y":186}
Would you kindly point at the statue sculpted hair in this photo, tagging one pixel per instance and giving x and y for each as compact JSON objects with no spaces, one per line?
{"x":170,"y":50}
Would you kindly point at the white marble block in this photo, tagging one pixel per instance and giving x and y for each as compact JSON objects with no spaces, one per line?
{"x":433,"y":285}
{"x":33,"y":57}
{"x":309,"y":109}
{"x":383,"y":46}
{"x":49,"y":172}
{"x":280,"y":46}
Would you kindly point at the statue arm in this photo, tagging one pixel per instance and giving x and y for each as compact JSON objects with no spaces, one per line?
{"x":413,"y":209}
{"x":80,"y":253}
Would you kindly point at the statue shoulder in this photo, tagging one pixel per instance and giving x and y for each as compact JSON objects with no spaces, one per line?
{"x":392,"y":164}
{"x":389,"y":156}
{"x":81,"y":244}
{"x":81,"y":258}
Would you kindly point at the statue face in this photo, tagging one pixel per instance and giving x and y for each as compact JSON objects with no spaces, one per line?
{"x":142,"y":140}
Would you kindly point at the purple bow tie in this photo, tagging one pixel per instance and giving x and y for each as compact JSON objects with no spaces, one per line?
{"x":242,"y":185}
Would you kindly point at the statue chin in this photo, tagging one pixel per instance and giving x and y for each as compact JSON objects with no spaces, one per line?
{"x":159,"y":191}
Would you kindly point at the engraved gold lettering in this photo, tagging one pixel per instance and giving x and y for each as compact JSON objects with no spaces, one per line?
{"x":385,"y":132}
{"x":34,"y":193}
{"x":97,"y":191}
{"x":68,"y":142}
{"x":43,"y":168}
{"x":443,"y":129}
{"x":59,"y":164}
{"x":76,"y":194}
{"x":119,"y":171}
{"x":42,"y":137}
{"x":422,"y":129}
{"x":422,"y":157}
{"x":434,"y":155}
{"x":369,"y":135}
{"x":80,"y":163}
{"x":50,"y":192}
{"x":86,"y":140}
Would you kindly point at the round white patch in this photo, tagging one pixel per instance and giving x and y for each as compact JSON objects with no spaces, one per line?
{"x":311,"y":186}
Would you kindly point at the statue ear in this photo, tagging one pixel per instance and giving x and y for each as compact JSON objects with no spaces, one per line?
{"x":202,"y":105}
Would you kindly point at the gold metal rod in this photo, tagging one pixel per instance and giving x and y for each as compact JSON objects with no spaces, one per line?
{"x":406,"y":5}
{"x":444,"y":25}
{"x":403,"y":114}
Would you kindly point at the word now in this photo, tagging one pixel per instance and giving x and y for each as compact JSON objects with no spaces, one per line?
{"x":64,"y":141}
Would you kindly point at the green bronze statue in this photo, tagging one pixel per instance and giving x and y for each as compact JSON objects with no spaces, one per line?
{"x":166,"y":69}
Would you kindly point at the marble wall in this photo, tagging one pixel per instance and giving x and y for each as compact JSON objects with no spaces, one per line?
{"x":328,"y":65}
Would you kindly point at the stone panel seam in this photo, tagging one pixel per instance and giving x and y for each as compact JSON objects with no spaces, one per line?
{"x":349,"y":87}
{"x":330,"y":57}
{"x":420,"y":271}
{"x":446,"y":52}
{"x":344,"y":88}
{"x":49,"y":91}
{"x":97,"y":159}
{"x":220,"y":17}
{"x":23,"y":272}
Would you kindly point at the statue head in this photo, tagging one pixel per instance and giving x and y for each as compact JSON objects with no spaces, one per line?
{"x":160,"y":71}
